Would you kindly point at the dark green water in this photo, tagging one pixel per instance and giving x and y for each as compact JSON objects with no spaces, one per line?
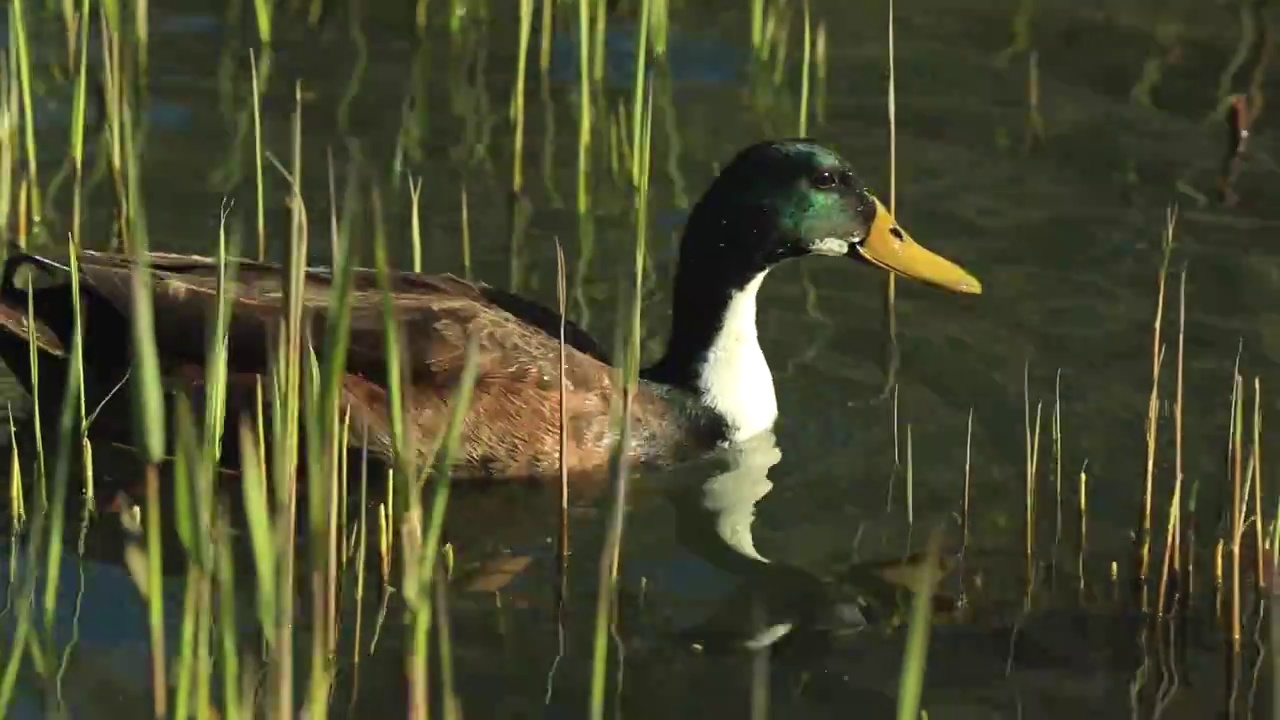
{"x":1062,"y":224}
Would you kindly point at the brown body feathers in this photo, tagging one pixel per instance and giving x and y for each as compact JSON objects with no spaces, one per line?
{"x":511,"y":429}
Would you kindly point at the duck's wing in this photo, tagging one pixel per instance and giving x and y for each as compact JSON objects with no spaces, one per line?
{"x":436,"y":314}
{"x":17,"y":322}
{"x":27,"y":319}
{"x":514,"y":418}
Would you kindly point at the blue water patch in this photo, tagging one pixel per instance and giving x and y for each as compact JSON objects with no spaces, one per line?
{"x":112,"y":644}
{"x":692,"y":59}
{"x":184,"y":24}
{"x":669,"y":219}
{"x":55,"y":110}
{"x":112,"y":610}
{"x":168,"y":115}
{"x":178,"y":24}
{"x":161,"y":114}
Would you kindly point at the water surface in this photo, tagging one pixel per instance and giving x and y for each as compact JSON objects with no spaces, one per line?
{"x":1056,"y":199}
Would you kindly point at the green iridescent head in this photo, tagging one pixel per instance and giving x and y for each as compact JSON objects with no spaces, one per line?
{"x":782,"y":199}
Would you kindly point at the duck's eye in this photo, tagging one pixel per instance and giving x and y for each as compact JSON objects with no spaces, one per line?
{"x":824,"y":180}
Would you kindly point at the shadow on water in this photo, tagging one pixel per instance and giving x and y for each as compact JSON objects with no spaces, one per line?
{"x":1041,"y":143}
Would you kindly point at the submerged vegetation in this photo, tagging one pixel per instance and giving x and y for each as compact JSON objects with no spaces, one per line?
{"x":289,"y":571}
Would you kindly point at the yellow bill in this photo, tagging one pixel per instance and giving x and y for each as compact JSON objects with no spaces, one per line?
{"x":891,"y":248}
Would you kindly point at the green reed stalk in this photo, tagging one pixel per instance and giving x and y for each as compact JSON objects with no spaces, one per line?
{"x":285,"y":423}
{"x":911,"y":483}
{"x":660,"y":24}
{"x":562,"y":546}
{"x":440,"y":602}
{"x":148,"y":396}
{"x":155,"y":599}
{"x":17,"y":519}
{"x":544,"y":48}
{"x":338,"y":493}
{"x":259,"y":522}
{"x":466,"y":235}
{"x":263,"y":10}
{"x":18,"y":35}
{"x":584,"y":107}
{"x":191,"y":531}
{"x":215,"y":391}
{"x":459,"y":404}
{"x":609,"y":556}
{"x":1237,"y":512}
{"x":964,"y":506}
{"x":23,"y":623}
{"x":56,"y":510}
{"x":415,"y":222}
{"x":203,"y":669}
{"x":1032,"y":504}
{"x":780,"y":24}
{"x":1173,"y":530}
{"x":413,"y":116}
{"x":641,"y":241}
{"x":225,"y":570}
{"x":324,"y":459}
{"x":637,"y":91}
{"x":892,"y":356}
{"x":362,"y":544}
{"x":892,"y":352}
{"x":1275,"y":543}
{"x":385,"y":546}
{"x":804,"y":72}
{"x":320,"y":465}
{"x":456,"y":14}
{"x":77,"y":122}
{"x":517,"y":100}
{"x":1153,"y":402}
{"x":77,"y":605}
{"x":9,"y":113}
{"x":915,"y":660}
{"x":77,"y":158}
{"x":114,"y":89}
{"x":1057,"y":462}
{"x":757,"y":26}
{"x":111,"y":15}
{"x":1028,"y":484}
{"x":392,"y":347}
{"x":257,"y":155}
{"x":1083,"y":493}
{"x":420,"y":17}
{"x":33,"y":360}
{"x":403,"y":480}
{"x":141,"y":34}
{"x":216,"y":561}
{"x":51,"y":514}
{"x":360,"y":44}
{"x":820,"y":59}
{"x":337,"y":527}
{"x":1255,"y":460}
{"x":17,"y":498}
{"x":76,"y":368}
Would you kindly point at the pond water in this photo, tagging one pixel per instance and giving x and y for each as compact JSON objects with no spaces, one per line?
{"x":1041,"y":145}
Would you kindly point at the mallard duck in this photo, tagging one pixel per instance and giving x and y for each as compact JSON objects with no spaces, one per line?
{"x":774,"y":201}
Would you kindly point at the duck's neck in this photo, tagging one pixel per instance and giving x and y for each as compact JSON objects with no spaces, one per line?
{"x":714,"y":350}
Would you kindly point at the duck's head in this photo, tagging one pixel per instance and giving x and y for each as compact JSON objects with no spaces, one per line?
{"x":782,"y":199}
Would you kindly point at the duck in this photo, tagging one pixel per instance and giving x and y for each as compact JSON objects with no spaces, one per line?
{"x":774,"y":201}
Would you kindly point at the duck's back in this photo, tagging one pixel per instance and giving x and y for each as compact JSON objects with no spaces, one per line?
{"x":512,"y":427}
